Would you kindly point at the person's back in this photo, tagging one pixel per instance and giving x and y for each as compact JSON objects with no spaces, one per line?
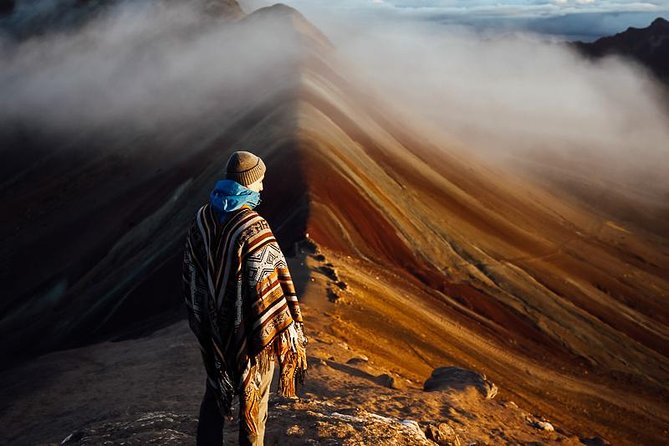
{"x":242,"y":304}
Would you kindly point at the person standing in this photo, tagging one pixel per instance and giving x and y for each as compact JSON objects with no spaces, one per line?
{"x":242,"y":305}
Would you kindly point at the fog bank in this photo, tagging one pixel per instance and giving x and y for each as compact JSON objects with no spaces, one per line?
{"x":518,"y":99}
{"x":145,"y":67}
{"x":159,"y":68}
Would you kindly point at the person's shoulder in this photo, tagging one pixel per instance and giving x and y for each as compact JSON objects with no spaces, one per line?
{"x":247,"y":218}
{"x":199,"y":215}
{"x":255,"y":224}
{"x":200,"y":212}
{"x":255,"y":220}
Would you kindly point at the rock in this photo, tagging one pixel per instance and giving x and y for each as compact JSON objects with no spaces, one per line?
{"x":360,"y":359}
{"x":387,"y":380}
{"x":442,"y":434}
{"x":333,"y":296}
{"x":164,"y":428}
{"x":414,"y":428}
{"x":361,"y":427}
{"x":456,"y":378}
{"x":342,"y":285}
{"x":594,"y":441}
{"x":72,"y":438}
{"x":307,"y":245}
{"x":295,"y":431}
{"x":329,"y":271}
{"x":544,"y":425}
{"x":319,"y":257}
{"x":491,"y":390}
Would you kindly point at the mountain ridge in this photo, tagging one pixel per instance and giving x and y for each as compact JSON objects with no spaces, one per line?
{"x":648,"y":46}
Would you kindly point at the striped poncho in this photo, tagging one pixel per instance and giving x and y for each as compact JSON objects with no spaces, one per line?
{"x":242,"y":304}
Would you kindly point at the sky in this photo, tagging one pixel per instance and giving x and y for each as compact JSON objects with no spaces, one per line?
{"x":563,"y":19}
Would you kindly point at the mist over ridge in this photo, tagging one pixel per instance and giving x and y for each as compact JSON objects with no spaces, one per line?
{"x":513,"y":97}
{"x":150,"y":65}
{"x":142,"y":68}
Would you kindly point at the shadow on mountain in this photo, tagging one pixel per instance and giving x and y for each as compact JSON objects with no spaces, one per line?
{"x":96,"y":220}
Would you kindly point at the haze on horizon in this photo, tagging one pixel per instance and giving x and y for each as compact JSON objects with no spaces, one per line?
{"x":584,"y":20}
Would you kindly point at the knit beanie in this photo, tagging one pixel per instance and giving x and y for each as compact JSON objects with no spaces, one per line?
{"x":244,"y":168}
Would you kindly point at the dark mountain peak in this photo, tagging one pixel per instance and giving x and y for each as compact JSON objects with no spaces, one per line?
{"x":7,"y":7}
{"x":281,"y":10}
{"x":659,"y":23}
{"x":632,"y":34}
{"x":293,"y":18}
{"x":222,"y":8}
{"x":648,"y":46}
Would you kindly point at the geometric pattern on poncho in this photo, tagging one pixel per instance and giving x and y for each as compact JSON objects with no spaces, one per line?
{"x":264,"y":261}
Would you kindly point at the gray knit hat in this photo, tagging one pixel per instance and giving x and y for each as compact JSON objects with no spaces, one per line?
{"x":244,"y":168}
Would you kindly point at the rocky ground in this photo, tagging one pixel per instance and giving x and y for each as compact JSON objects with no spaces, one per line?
{"x":147,"y":391}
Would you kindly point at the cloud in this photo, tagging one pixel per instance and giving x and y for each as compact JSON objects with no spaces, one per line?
{"x":510,"y":96}
{"x":523,"y":7}
{"x":517,"y":97}
{"x":142,"y":67}
{"x":166,"y":70}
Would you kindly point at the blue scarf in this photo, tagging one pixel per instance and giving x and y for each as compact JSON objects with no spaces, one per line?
{"x":229,"y":196}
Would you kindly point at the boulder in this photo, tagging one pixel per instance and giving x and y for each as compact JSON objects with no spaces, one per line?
{"x":543,"y":425}
{"x":307,"y":246}
{"x":442,"y":434}
{"x":164,"y":428}
{"x":457,"y":378}
{"x":333,"y":296}
{"x":413,"y":427}
{"x":386,"y":381}
{"x":360,"y":359}
{"x":329,"y":271}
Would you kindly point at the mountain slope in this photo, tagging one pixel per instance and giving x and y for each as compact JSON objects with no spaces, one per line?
{"x":535,"y":283}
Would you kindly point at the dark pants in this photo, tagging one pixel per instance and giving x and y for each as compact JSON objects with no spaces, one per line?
{"x":210,"y":425}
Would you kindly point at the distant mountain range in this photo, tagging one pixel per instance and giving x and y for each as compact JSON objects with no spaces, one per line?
{"x":648,"y":46}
